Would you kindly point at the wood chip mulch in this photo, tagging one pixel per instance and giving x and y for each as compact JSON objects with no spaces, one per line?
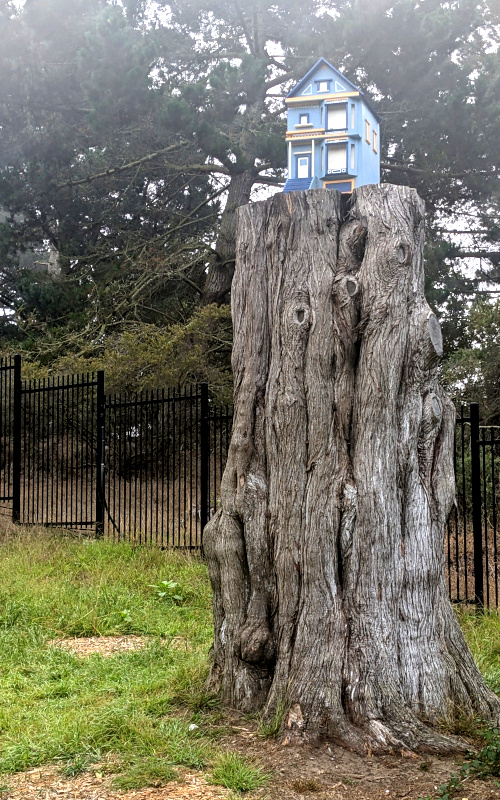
{"x":109,"y":645}
{"x":47,"y":784}
{"x":104,"y":645}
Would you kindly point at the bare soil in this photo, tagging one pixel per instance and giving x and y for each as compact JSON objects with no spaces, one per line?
{"x":328,"y":772}
{"x":306,"y":772}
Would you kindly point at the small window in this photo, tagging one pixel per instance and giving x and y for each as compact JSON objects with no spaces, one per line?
{"x":353,"y":116}
{"x":353,"y":156}
{"x":304,"y":119}
{"x":323,"y":86}
{"x":367,"y":131}
{"x":375,"y":142}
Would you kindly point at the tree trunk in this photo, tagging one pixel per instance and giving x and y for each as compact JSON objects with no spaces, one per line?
{"x":326,"y":557}
{"x":221,"y":270}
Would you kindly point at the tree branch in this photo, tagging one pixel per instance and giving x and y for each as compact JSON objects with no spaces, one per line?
{"x":492,"y":255}
{"x":117,"y":170}
{"x":417,"y":171}
{"x":282,"y":79}
{"x":268,"y":180}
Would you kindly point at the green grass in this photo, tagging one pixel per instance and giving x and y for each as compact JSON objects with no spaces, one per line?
{"x":137,"y":705}
{"x":482,"y":631}
{"x":148,"y":771}
{"x":144,"y":713}
{"x":236,"y":773}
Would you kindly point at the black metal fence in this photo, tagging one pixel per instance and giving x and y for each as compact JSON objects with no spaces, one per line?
{"x":144,"y":468}
{"x":471,"y":536}
{"x":147,"y":468}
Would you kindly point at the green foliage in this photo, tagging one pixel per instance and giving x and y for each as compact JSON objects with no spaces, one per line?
{"x":485,"y":763}
{"x":149,"y":357}
{"x":91,"y":111}
{"x":87,"y":589}
{"x":79,"y":763}
{"x":118,"y":153}
{"x":482,"y":632}
{"x":168,"y":591}
{"x":473,"y":373}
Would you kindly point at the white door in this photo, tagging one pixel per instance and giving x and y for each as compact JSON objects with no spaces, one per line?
{"x":303,"y":167}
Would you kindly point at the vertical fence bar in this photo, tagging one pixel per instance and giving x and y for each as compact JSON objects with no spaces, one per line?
{"x":163,"y":446}
{"x":494,"y":511}
{"x":191,"y":543}
{"x":457,"y":548}
{"x":16,"y":456}
{"x":204,"y":457}
{"x":101,"y":413}
{"x":464,"y":500}
{"x":484,"y":494}
{"x":476,"y":505}
{"x":184,"y":477}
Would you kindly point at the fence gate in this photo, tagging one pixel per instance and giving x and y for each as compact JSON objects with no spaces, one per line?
{"x":156,"y":471}
{"x":61,"y":449}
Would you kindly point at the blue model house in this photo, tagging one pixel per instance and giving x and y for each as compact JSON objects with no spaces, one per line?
{"x":333,"y":136}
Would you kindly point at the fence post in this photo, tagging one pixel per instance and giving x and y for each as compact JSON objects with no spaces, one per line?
{"x":204,"y":458}
{"x":477,"y":528}
{"x":16,"y":455}
{"x":101,"y":413}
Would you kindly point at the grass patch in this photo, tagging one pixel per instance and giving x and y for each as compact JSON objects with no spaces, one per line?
{"x":149,"y":771}
{"x":145,"y":712}
{"x":482,"y":632}
{"x":138,"y":705}
{"x":234,"y":772}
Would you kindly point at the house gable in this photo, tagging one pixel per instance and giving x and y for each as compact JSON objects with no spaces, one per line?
{"x":322,"y":78}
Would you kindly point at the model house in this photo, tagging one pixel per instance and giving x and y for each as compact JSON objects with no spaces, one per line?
{"x":333,"y":134}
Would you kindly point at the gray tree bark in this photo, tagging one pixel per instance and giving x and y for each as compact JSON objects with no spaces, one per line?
{"x":326,"y":557}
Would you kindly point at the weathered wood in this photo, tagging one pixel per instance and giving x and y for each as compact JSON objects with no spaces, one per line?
{"x":327,"y":558}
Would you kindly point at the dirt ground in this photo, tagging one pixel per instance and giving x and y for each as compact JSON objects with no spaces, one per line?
{"x":320,"y":772}
{"x":298,"y":773}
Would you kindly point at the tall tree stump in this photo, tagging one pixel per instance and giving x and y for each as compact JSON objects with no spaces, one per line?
{"x":326,"y":557}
